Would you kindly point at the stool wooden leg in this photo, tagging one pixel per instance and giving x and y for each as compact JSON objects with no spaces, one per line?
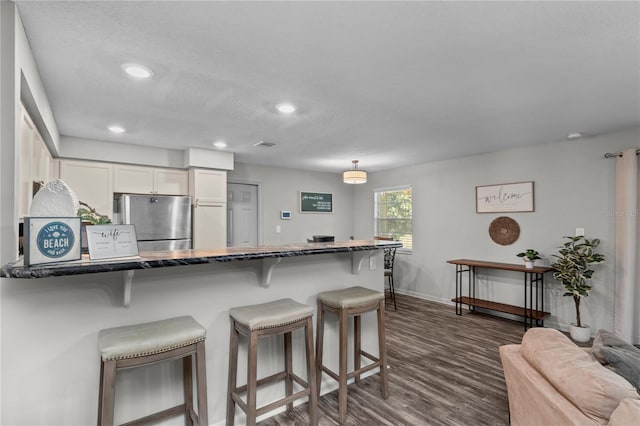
{"x":288,"y":368}
{"x":382,"y":348}
{"x":319,"y":343}
{"x":187,"y":383}
{"x":233,"y":372}
{"x":107,"y":393}
{"x":342,"y":369}
{"x":311,"y":372}
{"x":357,"y":341}
{"x":252,"y":378}
{"x":201,"y":385}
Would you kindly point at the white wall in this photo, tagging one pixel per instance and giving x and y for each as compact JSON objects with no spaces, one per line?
{"x":280,"y":191}
{"x":574,"y":187}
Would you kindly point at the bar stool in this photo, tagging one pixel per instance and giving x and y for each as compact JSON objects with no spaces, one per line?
{"x":150,"y":343}
{"x":265,"y":320}
{"x":352,"y":301}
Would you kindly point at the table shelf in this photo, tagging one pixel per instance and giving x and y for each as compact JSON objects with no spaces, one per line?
{"x":501,"y":307}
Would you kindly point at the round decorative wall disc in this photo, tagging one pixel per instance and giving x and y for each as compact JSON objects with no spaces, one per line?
{"x":504,"y":230}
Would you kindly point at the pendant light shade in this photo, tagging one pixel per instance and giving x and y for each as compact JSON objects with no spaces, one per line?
{"x":354,"y":176}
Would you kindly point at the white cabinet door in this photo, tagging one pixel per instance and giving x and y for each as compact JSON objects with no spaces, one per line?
{"x":24,"y":167}
{"x":150,"y":180}
{"x":209,"y":185}
{"x":92,"y":182}
{"x":41,"y":164}
{"x":133,"y":179}
{"x":171,"y":182}
{"x":209,"y":226}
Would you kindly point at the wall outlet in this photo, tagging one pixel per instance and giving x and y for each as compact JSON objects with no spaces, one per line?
{"x":278,"y":229}
{"x":372,"y":263}
{"x":579,"y":232}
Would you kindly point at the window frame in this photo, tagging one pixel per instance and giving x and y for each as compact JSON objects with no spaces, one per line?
{"x":375,"y":211}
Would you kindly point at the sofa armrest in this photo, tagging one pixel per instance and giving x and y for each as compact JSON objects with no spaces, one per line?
{"x":532,"y":400}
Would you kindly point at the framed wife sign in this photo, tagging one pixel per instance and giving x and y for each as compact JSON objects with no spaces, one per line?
{"x":505,"y":197}
{"x":111,"y":241}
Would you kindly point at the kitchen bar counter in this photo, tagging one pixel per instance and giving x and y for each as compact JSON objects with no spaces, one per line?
{"x":163,"y":259}
{"x":50,"y":341}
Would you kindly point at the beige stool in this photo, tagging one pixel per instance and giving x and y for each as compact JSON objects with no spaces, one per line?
{"x":352,"y":301}
{"x":151,"y":343}
{"x":264,"y":320}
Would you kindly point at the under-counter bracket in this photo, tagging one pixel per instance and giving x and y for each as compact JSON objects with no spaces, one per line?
{"x":358,"y":258}
{"x":127,"y":280}
{"x":266,"y":269}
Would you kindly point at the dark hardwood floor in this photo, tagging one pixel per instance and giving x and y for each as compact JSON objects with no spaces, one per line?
{"x":444,"y":369}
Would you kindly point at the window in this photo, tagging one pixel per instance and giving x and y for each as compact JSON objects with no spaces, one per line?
{"x":393,"y":215}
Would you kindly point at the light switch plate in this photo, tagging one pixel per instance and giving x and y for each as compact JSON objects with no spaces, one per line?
{"x":372,"y":263}
{"x":580,"y":232}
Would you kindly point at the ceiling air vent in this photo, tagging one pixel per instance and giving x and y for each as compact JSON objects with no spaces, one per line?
{"x":265,"y":144}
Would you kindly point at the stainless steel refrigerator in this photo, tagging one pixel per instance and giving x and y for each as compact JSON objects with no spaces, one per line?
{"x":162,"y":222}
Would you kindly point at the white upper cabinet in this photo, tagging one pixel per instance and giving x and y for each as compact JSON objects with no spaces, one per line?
{"x":208,"y":185}
{"x":34,"y":163}
{"x":91,"y":181}
{"x":150,"y":180}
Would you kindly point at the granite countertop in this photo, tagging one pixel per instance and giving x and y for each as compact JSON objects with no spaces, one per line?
{"x":163,"y":259}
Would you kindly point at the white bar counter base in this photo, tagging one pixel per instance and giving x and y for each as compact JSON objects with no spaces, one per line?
{"x":270,"y":256}
{"x":50,"y":358}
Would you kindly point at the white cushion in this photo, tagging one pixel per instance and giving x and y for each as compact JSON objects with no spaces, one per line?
{"x":132,"y":341}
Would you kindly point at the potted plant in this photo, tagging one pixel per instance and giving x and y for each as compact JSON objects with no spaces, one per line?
{"x":529,"y":256}
{"x":573,"y":270}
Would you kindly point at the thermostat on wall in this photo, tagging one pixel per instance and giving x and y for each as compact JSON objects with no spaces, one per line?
{"x":285,"y":215}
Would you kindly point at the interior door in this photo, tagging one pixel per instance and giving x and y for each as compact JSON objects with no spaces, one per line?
{"x":242,"y":215}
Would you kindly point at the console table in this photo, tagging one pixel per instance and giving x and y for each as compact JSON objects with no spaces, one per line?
{"x":533,"y":289}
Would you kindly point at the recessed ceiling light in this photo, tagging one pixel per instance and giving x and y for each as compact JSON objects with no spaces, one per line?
{"x":220,"y":144}
{"x":116,"y":129}
{"x":137,"y":70}
{"x":573,"y":136}
{"x":286,"y":108}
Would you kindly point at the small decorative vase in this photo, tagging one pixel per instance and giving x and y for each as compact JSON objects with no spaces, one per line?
{"x":528,"y":264}
{"x":580,"y":334}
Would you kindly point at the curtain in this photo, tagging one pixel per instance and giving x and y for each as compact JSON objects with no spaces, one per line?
{"x":626,"y":320}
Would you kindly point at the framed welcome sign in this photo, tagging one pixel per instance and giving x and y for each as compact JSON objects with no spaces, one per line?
{"x":506,"y":197}
{"x":51,"y":239}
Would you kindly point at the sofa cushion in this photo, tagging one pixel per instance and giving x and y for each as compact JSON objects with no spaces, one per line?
{"x":627,"y":413}
{"x":594,"y":389}
{"x":625,"y":362}
{"x":606,"y":338}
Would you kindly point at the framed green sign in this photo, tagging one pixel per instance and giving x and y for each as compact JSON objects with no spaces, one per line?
{"x":316,"y":202}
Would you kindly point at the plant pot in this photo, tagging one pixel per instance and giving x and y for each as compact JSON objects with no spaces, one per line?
{"x":528,"y":264}
{"x":580,"y":334}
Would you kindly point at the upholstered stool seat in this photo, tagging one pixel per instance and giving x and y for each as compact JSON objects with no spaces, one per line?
{"x":149,"y":343}
{"x":268,"y":319}
{"x":351,"y":301}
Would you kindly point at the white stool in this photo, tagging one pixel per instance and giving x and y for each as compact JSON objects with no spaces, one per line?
{"x":265,"y":320}
{"x":151,"y":343}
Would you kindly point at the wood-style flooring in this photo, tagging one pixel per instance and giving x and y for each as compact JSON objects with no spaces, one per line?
{"x":444,"y":369}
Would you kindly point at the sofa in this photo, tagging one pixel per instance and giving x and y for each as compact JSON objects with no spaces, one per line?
{"x":551,"y":381}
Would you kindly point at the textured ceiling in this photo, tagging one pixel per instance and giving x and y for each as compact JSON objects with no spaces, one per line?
{"x":388,"y":83}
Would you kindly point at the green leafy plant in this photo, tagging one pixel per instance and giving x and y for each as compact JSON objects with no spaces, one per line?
{"x":89,"y":214}
{"x":529,"y":254}
{"x":573,"y":268}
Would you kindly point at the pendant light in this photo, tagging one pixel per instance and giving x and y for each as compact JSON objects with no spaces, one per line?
{"x":354,"y":176}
